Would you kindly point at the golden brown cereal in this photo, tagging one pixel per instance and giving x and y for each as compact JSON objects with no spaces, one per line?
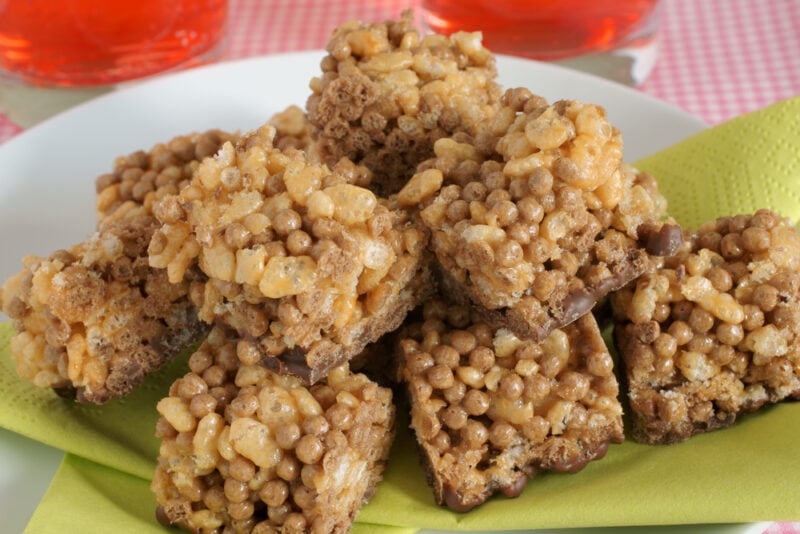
{"x":275,"y":455}
{"x":145,"y":177}
{"x":521,"y":407}
{"x":386,"y":94}
{"x":93,"y":320}
{"x":293,"y":129}
{"x":299,"y":256}
{"x":728,"y":343}
{"x":541,"y":226}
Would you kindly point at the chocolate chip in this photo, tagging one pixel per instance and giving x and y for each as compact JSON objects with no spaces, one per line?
{"x":576,"y":304}
{"x":665,"y":242}
{"x":162,"y":517}
{"x":514,"y":489}
{"x":612,"y":283}
{"x":295,"y":361}
{"x":570,"y":464}
{"x":576,"y":463}
{"x":600,"y":451}
{"x":292,"y":362}
{"x":66,"y":392}
{"x":454,"y":501}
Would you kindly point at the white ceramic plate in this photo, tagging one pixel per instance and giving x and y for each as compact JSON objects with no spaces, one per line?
{"x":47,"y":180}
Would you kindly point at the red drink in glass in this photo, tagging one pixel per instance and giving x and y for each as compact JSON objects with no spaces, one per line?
{"x":546,"y":29}
{"x":97,"y":42}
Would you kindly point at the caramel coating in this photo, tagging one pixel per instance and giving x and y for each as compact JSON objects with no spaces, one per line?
{"x":386,"y":94}
{"x":546,"y":222}
{"x":272,"y":454}
{"x":299,"y":257}
{"x":93,"y":320}
{"x":713,"y":332}
{"x":520,"y":407}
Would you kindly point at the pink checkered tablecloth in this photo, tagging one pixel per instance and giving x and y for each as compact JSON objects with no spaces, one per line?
{"x":718,"y":58}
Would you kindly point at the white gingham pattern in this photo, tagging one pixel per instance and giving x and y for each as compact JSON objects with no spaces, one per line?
{"x":722,"y":58}
{"x":718,"y":58}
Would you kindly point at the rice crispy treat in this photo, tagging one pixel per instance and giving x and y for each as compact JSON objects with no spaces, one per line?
{"x":490,"y":409}
{"x":715,"y":332}
{"x":386,"y":94}
{"x":249,"y":450}
{"x":93,"y":320}
{"x":534,"y":232}
{"x":300,"y":258}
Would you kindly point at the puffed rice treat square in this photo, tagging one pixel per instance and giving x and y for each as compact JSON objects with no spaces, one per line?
{"x":714,"y":332}
{"x":490,"y":409}
{"x":387,"y":93}
{"x":538,"y":229}
{"x":95,"y":319}
{"x":301,"y":259}
{"x":245,"y":449}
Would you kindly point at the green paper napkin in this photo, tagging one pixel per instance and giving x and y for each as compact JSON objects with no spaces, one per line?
{"x":746,"y":473}
{"x":750,"y":162}
{"x":119,"y":434}
{"x":87,"y":497}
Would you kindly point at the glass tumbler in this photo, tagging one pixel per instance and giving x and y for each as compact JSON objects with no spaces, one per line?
{"x":83,"y":43}
{"x":613,"y":38}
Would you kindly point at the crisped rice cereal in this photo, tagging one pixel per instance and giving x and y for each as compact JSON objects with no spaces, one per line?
{"x":490,"y":409}
{"x":301,"y":259}
{"x":386,"y":94}
{"x":143,"y":177}
{"x":248,"y":450}
{"x":715,"y":332}
{"x":93,"y":320}
{"x":538,"y":229}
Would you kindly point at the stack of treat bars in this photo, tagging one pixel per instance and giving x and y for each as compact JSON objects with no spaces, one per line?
{"x":418,"y":231}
